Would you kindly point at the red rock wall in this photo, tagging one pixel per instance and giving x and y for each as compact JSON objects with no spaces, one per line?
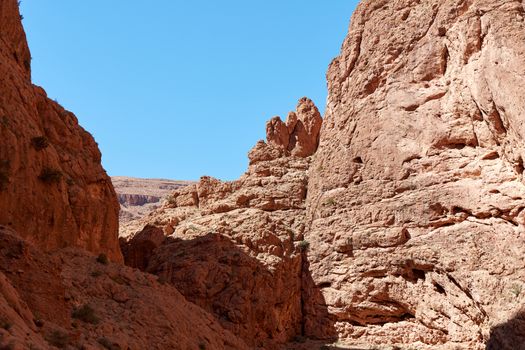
{"x":39,"y":293}
{"x":53,"y":188}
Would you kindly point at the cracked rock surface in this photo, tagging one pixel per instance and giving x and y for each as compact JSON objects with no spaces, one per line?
{"x":233,"y":248}
{"x":415,"y":195}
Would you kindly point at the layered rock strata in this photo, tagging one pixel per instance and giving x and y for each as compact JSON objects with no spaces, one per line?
{"x":138,"y":197}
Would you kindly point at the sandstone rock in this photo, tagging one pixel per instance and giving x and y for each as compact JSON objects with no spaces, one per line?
{"x":232,"y":247}
{"x":300,"y":134}
{"x":413,"y":233}
{"x":53,"y":188}
{"x":399,"y":222}
{"x":418,"y":176}
{"x":123,"y":308}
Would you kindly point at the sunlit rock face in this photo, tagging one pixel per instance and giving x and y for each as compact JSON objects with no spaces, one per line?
{"x":234,"y":248}
{"x":138,"y":197}
{"x":415,"y":195}
{"x":53,"y":188}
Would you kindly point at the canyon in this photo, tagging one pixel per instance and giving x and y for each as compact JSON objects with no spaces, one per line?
{"x":394,"y":221}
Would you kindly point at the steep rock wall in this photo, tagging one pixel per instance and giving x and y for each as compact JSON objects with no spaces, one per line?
{"x":416,"y":196}
{"x":53,"y":188}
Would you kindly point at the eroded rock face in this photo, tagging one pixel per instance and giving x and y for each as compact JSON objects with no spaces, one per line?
{"x":53,"y":188}
{"x":416,"y":196}
{"x":299,"y":136}
{"x":233,"y":247}
{"x":68,"y":299}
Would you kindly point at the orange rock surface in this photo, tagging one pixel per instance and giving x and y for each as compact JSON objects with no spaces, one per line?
{"x":53,"y":188}
{"x":396,"y":221}
{"x":71,"y":299}
{"x":416,"y":194}
{"x":234,"y":247}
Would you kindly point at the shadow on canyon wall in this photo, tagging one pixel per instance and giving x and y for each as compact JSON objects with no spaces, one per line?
{"x":265,"y":304}
{"x":509,"y":335}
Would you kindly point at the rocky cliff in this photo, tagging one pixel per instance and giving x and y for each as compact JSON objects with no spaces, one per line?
{"x":57,"y":207}
{"x":416,"y":196}
{"x":53,"y":189}
{"x":401,"y":222}
{"x":397,"y":219}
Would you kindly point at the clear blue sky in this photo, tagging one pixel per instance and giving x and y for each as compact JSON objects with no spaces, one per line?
{"x":179,"y":89}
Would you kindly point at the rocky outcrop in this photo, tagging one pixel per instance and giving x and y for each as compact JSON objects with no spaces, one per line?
{"x":416,"y":196}
{"x":71,"y":299}
{"x":234,"y":248}
{"x":299,"y":136}
{"x":53,"y":188}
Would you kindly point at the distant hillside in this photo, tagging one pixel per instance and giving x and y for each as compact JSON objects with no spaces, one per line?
{"x":138,"y":197}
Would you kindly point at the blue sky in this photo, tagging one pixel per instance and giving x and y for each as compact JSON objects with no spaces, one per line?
{"x":179,"y":89}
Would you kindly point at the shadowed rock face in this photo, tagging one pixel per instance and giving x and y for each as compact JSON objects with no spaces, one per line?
{"x":234,"y":247}
{"x":41,"y":293}
{"x":53,"y":188}
{"x":415,"y":198}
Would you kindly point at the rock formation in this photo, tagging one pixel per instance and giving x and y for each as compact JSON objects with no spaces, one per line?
{"x":398,"y":219}
{"x":56,"y":205}
{"x":72,"y":300}
{"x":234,"y":247}
{"x":52,"y":186}
{"x":405,"y":227}
{"x":415,"y":199}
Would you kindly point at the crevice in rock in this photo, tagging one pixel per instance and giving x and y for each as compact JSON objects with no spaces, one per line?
{"x":439,"y":288}
{"x":355,"y":58}
{"x":495,"y":119}
{"x":445,"y":57}
{"x":518,"y":166}
{"x":468,"y":294}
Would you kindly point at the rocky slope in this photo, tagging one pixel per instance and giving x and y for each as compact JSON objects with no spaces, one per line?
{"x":405,"y":227}
{"x":52,"y":186}
{"x":73,"y":300}
{"x":138,"y":197}
{"x":232,"y":247}
{"x":56,"y":206}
